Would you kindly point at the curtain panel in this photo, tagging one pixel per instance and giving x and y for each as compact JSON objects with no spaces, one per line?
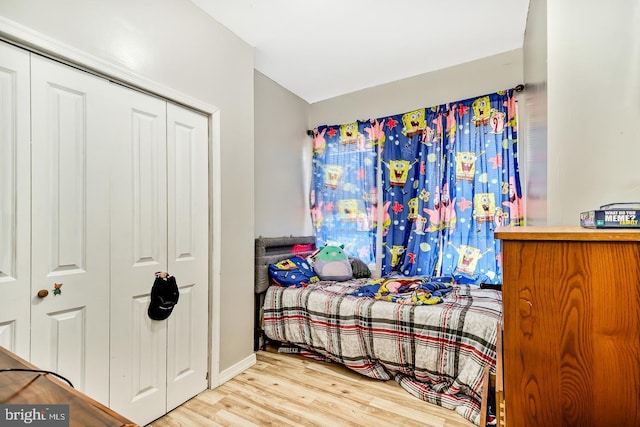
{"x":343,"y":197}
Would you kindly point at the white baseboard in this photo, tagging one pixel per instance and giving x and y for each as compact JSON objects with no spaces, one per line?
{"x":236,"y":369}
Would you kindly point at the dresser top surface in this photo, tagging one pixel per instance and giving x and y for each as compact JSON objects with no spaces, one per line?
{"x":568,"y":232}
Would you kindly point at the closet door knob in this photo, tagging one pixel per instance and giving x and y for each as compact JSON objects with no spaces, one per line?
{"x":43,"y":293}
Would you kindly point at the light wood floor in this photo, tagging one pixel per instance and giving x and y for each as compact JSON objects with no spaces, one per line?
{"x":290,"y":390}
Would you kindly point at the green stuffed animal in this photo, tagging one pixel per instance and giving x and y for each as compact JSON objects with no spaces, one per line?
{"x":331,"y":263}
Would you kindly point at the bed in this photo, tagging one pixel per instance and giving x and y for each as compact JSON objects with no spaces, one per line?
{"x":436,"y":352}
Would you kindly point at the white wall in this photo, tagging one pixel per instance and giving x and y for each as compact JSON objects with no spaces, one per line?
{"x":593,"y":106}
{"x":174,"y":43}
{"x":533,"y":120}
{"x":283,"y":161}
{"x":459,"y":82}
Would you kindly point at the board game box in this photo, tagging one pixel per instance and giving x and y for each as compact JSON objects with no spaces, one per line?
{"x":616,"y":215}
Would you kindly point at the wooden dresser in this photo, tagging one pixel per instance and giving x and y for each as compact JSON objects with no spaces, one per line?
{"x":571,"y":326}
{"x":21,"y":388}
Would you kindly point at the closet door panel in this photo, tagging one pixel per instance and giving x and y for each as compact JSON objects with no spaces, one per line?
{"x":188,"y":239}
{"x":138,"y":250}
{"x":70,"y":225}
{"x":14,"y":200}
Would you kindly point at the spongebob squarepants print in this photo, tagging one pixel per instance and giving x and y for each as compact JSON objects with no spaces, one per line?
{"x":398,"y":171}
{"x":468,"y":259}
{"x":413,"y":123}
{"x":349,"y":133}
{"x":484,"y":207}
{"x":286,"y":264}
{"x":413,"y":209}
{"x":332,"y":175}
{"x":465,"y":166}
{"x":396,"y":253}
{"x":348,"y":210}
{"x":481,"y":111}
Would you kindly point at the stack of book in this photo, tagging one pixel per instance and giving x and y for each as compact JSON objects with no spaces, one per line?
{"x":613,"y":215}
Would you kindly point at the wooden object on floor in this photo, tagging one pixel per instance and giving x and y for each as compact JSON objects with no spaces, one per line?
{"x":493,"y":384}
{"x":571,"y":326}
{"x":289,"y":390}
{"x":485,"y":394}
{"x":21,"y":388}
{"x":498,"y":380}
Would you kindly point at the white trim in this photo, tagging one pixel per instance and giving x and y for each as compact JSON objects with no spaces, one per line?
{"x":215,"y":191}
{"x":237,"y":369}
{"x":45,"y":45}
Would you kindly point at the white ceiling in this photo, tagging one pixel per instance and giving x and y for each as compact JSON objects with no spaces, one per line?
{"x":319,"y":49}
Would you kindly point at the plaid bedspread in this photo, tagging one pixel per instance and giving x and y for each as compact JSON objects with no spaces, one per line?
{"x":436,"y":352}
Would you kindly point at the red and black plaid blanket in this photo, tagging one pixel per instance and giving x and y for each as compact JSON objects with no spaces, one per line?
{"x":436,"y":352}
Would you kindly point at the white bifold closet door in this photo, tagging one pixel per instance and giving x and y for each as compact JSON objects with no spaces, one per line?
{"x":15,"y":227}
{"x":113,"y":188}
{"x":138,"y":250}
{"x":70,"y":224}
{"x":159,"y":214}
{"x":188,"y":246}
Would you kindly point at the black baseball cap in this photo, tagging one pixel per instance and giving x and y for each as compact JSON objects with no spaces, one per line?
{"x":164,"y":296}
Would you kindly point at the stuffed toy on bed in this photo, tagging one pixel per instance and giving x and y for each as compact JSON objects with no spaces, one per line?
{"x":331,"y":263}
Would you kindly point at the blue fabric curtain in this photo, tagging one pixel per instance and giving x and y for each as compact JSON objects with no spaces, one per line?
{"x":449,"y":178}
{"x":343,"y":195}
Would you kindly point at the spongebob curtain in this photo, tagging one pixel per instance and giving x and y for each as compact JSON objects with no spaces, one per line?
{"x":449,"y":177}
{"x":343,"y":195}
